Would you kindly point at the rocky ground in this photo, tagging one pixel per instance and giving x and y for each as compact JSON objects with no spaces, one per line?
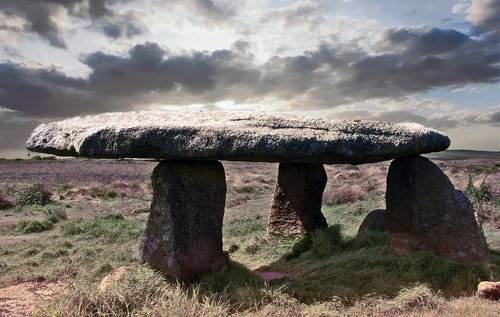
{"x":82,"y":190}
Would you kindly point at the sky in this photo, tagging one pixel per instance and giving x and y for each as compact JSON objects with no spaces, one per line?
{"x":432,"y":62}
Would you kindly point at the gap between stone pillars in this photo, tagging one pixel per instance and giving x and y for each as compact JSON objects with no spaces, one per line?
{"x":183,"y":235}
{"x":297,"y":199}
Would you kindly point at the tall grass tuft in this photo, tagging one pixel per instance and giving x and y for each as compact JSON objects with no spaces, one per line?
{"x":141,"y":292}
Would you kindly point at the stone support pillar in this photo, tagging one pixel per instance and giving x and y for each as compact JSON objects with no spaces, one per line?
{"x":183,"y":236}
{"x":296,"y":205}
{"x":425,"y":212}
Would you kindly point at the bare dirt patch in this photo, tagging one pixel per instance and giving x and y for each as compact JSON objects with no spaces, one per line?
{"x":22,"y":299}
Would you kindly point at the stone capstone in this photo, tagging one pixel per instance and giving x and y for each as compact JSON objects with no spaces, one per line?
{"x":425,"y":212}
{"x":375,"y":220}
{"x":296,"y":204}
{"x":183,"y":235}
{"x":233,"y":136}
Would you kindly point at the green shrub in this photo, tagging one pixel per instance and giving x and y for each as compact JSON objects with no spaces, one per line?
{"x":33,"y":226}
{"x":480,"y":194}
{"x":111,"y":194}
{"x":246,"y":190}
{"x":36,"y":194}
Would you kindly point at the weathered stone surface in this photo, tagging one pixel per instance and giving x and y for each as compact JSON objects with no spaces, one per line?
{"x":488,"y":290}
{"x":296,"y":205}
{"x":183,"y":236}
{"x":233,"y":136}
{"x":375,"y":220}
{"x":425,"y":212}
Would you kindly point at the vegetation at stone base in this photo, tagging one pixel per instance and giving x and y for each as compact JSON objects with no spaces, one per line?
{"x":146,"y":293}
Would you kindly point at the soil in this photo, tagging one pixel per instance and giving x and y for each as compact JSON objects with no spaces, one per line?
{"x":22,"y":299}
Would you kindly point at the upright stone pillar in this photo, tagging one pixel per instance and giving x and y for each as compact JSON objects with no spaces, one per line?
{"x":183,"y":235}
{"x":296,"y":205}
{"x":425,"y":212}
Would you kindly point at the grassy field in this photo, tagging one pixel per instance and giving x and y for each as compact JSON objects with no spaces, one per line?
{"x":88,"y":217}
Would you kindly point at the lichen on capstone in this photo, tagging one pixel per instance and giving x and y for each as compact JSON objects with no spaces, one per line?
{"x":233,"y":136}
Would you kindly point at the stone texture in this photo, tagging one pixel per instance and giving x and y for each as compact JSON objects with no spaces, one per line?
{"x":375,"y":220}
{"x":488,"y":290}
{"x":233,"y":136}
{"x":183,"y":235}
{"x":296,"y":205}
{"x":425,"y":212}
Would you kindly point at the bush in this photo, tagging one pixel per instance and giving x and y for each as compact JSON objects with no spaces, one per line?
{"x":6,"y":202}
{"x":33,"y":226}
{"x":36,"y":194}
{"x":56,"y":215}
{"x":343,"y":194}
{"x":480,"y":194}
{"x":111,"y":194}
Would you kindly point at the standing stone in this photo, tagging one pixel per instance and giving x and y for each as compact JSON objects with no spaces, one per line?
{"x":296,"y":205}
{"x":183,"y":235}
{"x":425,"y":212}
{"x":375,"y":220}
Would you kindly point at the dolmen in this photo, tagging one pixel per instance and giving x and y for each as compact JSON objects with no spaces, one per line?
{"x":183,"y":236}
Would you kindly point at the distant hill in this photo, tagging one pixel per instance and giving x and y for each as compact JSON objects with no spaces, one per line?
{"x":463,"y":155}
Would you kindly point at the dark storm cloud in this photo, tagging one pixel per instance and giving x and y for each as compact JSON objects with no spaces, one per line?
{"x":41,"y":18}
{"x":444,"y":122}
{"x":326,"y":77}
{"x":146,"y":70}
{"x":419,"y":59}
{"x":40,"y":92}
{"x":432,"y":41}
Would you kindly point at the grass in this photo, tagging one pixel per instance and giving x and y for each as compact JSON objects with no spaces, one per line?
{"x":82,"y":249}
{"x":329,"y":272}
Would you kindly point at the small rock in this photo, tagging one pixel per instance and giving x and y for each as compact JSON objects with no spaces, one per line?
{"x":114,"y":276}
{"x":375,"y":220}
{"x":488,"y":290}
{"x":271,"y":276}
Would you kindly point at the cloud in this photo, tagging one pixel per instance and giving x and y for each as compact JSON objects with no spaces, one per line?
{"x":326,"y":77}
{"x":44,"y":17}
{"x":485,"y":16}
{"x":426,"y":41}
{"x":436,"y":121}
{"x":40,"y":18}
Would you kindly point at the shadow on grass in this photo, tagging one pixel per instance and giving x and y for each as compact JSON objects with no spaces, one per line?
{"x":325,"y":264}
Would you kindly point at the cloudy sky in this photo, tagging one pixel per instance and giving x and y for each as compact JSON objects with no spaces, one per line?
{"x":432,"y":62}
